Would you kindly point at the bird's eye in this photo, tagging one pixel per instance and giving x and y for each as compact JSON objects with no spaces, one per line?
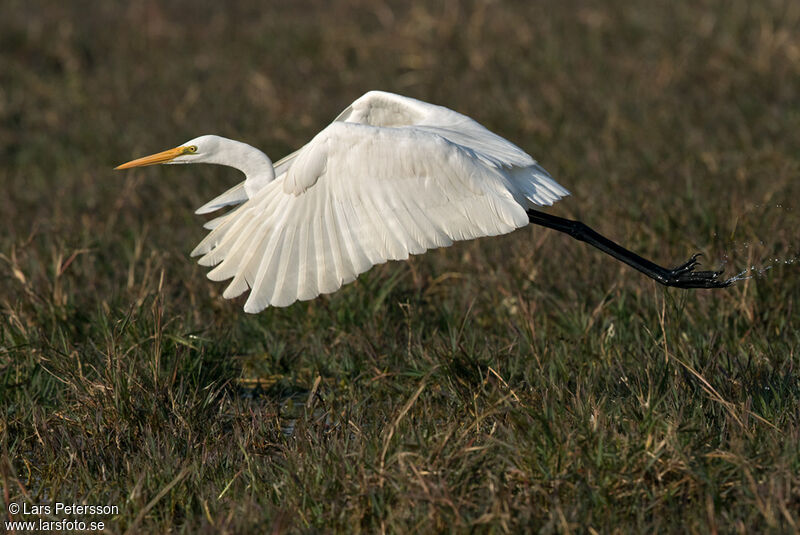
{"x":192,"y":149}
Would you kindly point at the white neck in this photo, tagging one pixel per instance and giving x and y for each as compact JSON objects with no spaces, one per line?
{"x":256,"y":166}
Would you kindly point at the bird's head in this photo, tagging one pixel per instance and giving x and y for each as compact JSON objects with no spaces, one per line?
{"x":201,"y":149}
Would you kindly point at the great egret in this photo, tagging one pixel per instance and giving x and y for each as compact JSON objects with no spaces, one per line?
{"x":391,"y":176}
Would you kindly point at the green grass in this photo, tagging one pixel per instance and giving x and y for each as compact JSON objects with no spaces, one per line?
{"x":521,"y":383}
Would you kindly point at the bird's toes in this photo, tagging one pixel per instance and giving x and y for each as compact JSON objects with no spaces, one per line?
{"x":688,"y":266}
{"x":702,"y":279}
{"x":684,"y":276}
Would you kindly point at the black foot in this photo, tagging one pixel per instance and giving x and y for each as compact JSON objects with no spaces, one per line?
{"x":684,"y":276}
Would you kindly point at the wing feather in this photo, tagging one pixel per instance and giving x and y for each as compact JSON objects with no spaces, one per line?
{"x":319,"y":266}
{"x":246,"y":275}
{"x":339,"y":233}
{"x":330,"y":235}
{"x":239,"y":230}
{"x":258,"y":300}
{"x":307,"y":261}
{"x":235,"y":195}
{"x":288,"y":272}
{"x":386,"y":228}
{"x":233,"y":260}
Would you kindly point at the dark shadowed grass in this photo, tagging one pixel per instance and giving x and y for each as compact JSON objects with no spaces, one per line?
{"x":521,"y":383}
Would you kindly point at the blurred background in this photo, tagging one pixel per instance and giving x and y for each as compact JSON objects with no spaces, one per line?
{"x":673,"y":124}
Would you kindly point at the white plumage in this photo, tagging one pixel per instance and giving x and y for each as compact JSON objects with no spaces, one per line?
{"x":391,"y":176}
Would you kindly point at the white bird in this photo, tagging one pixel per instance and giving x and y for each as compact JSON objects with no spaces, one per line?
{"x":389,"y":177}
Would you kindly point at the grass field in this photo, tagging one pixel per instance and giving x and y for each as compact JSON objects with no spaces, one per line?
{"x":520,"y":383}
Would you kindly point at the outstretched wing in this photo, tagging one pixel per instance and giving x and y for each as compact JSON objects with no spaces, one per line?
{"x":387,"y":179}
{"x":379,"y":108}
{"x":532,"y":185}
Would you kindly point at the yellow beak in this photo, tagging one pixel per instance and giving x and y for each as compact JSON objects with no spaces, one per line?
{"x":160,"y":157}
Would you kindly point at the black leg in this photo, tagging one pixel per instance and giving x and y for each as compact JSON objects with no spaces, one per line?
{"x":683,"y":276}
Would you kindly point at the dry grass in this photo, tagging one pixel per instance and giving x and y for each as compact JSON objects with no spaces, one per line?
{"x":519,"y":383}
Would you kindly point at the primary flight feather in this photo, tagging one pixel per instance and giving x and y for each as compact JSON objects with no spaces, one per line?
{"x":391,"y":176}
